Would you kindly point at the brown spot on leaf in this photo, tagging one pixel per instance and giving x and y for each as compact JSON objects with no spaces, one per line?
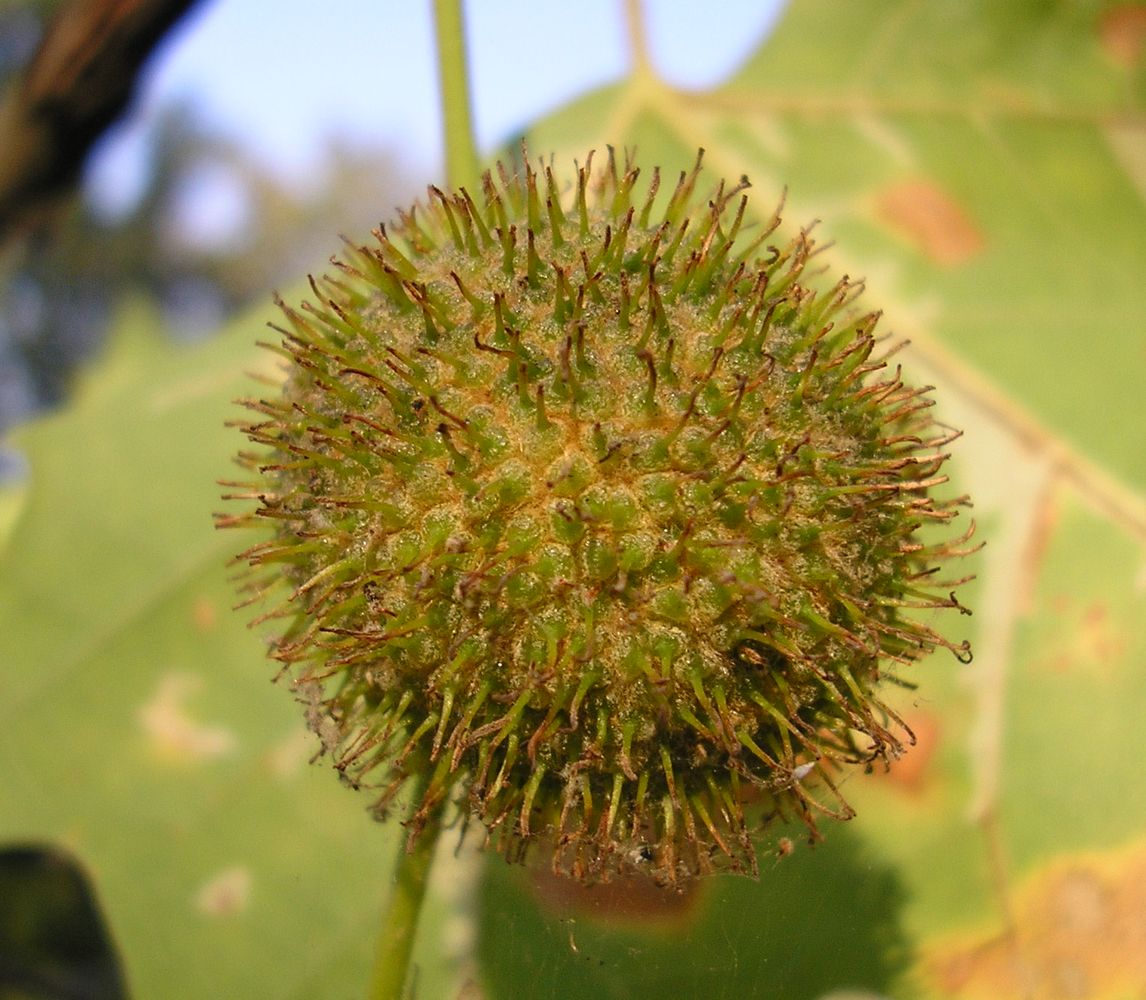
{"x":911,"y":772}
{"x":936,"y":224}
{"x":1100,"y":638}
{"x":470,"y":990}
{"x":1083,"y":636}
{"x":1080,"y":931}
{"x":1122,"y":33}
{"x":204,"y":615}
{"x":625,"y":899}
{"x":225,"y":894}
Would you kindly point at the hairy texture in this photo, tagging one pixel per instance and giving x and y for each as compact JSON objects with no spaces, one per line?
{"x":594,"y":517}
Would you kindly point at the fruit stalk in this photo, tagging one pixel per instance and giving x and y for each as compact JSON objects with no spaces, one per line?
{"x":412,"y":869}
{"x":462,"y":167}
{"x":400,"y":922}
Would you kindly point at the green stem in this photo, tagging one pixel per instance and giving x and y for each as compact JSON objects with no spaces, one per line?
{"x":400,"y":923}
{"x":462,"y":164}
{"x":638,"y":39}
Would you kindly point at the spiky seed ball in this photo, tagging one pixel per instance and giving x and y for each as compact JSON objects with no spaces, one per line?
{"x":590,"y":509}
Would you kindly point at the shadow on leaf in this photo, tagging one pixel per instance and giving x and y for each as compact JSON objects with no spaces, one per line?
{"x":817,"y":921}
{"x":54,"y":944}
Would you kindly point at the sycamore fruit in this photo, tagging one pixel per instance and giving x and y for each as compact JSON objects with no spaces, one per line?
{"x":592,"y":519}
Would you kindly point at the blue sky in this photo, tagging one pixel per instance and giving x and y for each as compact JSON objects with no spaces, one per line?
{"x":283,"y":77}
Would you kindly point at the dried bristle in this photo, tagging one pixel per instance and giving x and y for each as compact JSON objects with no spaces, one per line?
{"x":589,"y":508}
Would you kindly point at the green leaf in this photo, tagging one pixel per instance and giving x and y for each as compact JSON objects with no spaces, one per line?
{"x":137,"y":725}
{"x":984,"y":165}
{"x":793,"y":930}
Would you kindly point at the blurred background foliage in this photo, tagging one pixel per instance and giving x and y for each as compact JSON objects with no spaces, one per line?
{"x":59,"y":285}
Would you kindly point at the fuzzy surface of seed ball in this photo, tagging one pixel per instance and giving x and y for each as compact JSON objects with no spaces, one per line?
{"x":587,"y":513}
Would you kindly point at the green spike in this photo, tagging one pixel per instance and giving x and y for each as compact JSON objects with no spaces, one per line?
{"x":438,"y":198}
{"x":478,"y":307}
{"x":495,"y":205}
{"x":583,"y":175}
{"x":535,"y":267}
{"x":393,"y":256}
{"x":507,"y":237}
{"x":533,"y":201}
{"x":415,"y":234}
{"x":474,"y":216}
{"x":553,"y":209}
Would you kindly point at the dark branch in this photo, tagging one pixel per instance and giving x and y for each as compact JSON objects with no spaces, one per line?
{"x":81,"y":80}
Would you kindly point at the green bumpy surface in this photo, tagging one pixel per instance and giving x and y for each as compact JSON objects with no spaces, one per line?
{"x":596,"y":520}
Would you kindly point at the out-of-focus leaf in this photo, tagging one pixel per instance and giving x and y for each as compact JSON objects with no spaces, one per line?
{"x":730,"y":939}
{"x":984,"y":166}
{"x":138,"y":726}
